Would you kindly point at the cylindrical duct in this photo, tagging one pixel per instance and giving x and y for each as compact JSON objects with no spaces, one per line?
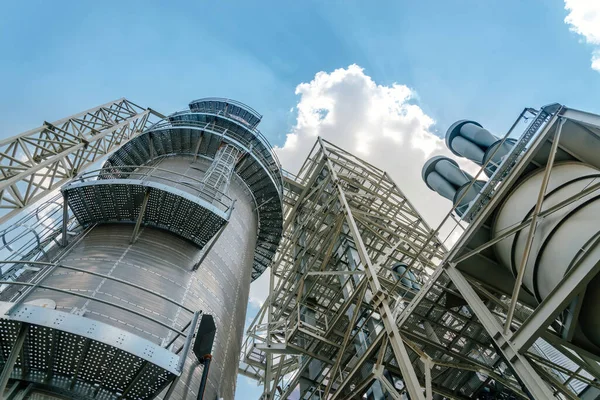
{"x":408,"y":279}
{"x":470,"y":140}
{"x":561,"y":238}
{"x":444,"y":176}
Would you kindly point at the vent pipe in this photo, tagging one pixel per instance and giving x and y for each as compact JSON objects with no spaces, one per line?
{"x":470,"y":140}
{"x":444,"y":176}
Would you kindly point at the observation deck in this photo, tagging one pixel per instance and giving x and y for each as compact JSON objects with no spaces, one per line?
{"x":199,"y":132}
{"x":176,"y":203}
{"x":84,"y":358}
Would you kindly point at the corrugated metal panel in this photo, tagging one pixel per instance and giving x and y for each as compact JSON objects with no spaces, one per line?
{"x":163,"y":262}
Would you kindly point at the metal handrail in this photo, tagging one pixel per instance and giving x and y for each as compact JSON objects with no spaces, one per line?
{"x":91,"y":298}
{"x":542,"y":118}
{"x":277,"y":177}
{"x":230,"y":101}
{"x":50,"y":266}
{"x":262,"y":138}
{"x":133,"y":171}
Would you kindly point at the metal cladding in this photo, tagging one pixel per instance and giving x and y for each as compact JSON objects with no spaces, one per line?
{"x":177,"y":222}
{"x":444,"y":176}
{"x":561,"y":238}
{"x":470,"y":140}
{"x":199,"y":132}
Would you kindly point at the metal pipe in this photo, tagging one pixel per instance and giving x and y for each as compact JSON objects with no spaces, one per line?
{"x":176,"y":336}
{"x":188,"y":341}
{"x":140,"y":217}
{"x":206,"y":363}
{"x":65,"y":218}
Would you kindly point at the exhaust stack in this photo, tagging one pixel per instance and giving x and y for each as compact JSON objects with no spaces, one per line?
{"x":444,"y":176}
{"x":470,"y":140}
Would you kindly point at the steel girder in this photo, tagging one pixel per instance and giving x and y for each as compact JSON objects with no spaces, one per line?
{"x":40,"y":160}
{"x":347,"y":224}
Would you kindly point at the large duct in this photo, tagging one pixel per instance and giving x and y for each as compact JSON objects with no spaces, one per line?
{"x":470,"y":140}
{"x":444,"y":176}
{"x":562,"y":238}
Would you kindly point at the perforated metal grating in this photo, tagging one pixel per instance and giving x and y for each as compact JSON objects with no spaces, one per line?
{"x":82,"y":366}
{"x":120,"y":200}
{"x":195,"y":133}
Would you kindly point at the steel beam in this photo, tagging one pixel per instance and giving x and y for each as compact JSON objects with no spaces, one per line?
{"x":576,"y":279}
{"x":532,"y":227}
{"x":15,"y":351}
{"x":534,"y":384}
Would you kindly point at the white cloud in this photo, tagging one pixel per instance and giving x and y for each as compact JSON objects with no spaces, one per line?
{"x":380,"y":124}
{"x":258,"y":292}
{"x":584,"y":19}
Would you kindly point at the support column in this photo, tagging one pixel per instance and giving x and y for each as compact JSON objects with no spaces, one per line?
{"x":9,"y":365}
{"x":524,"y":371}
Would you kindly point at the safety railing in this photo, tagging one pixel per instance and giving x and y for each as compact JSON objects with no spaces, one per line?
{"x":214,"y":128}
{"x":46,"y":269}
{"x":230,"y":101}
{"x":537,"y":125}
{"x":185,"y":183}
{"x":31,"y":232}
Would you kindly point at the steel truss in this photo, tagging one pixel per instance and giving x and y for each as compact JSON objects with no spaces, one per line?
{"x":328,"y":328}
{"x":40,"y":160}
{"x":534,"y":340}
{"x":532,"y":343}
{"x":462,"y":335}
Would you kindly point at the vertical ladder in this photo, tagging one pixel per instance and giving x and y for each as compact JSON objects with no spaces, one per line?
{"x":218,"y":176}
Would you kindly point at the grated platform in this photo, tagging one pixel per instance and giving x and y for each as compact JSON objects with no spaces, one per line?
{"x":120,"y":200}
{"x":85,"y":358}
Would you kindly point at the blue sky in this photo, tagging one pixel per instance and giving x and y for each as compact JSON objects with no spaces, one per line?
{"x":462,"y":59}
{"x":483,"y":58}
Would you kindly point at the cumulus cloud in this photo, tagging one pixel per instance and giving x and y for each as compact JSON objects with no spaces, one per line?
{"x":584,"y":19}
{"x":381,"y":124}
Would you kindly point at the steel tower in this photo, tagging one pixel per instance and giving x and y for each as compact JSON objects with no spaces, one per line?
{"x":103,"y":286}
{"x":355,"y":252}
{"x":366,"y":301}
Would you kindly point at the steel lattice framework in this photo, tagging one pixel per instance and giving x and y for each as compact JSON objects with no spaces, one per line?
{"x":335,"y":292}
{"x":40,"y":160}
{"x":340,"y":323}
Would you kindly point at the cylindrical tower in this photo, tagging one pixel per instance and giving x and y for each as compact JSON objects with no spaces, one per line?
{"x":178,"y":221}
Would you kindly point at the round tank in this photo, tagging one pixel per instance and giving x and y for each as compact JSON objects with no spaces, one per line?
{"x":164,"y":262}
{"x":560,"y":237}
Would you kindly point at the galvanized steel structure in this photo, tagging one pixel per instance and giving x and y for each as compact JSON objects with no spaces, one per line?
{"x":103,"y":286}
{"x":328,"y":327}
{"x":365,"y":300}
